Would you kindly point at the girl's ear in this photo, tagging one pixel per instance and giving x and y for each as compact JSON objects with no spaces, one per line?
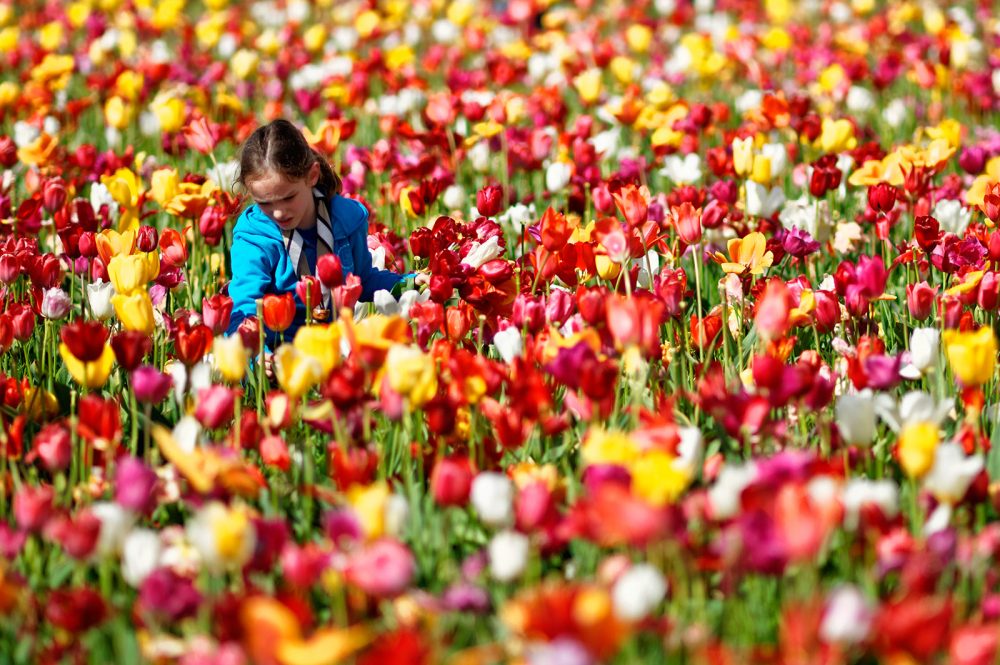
{"x":313,"y":176}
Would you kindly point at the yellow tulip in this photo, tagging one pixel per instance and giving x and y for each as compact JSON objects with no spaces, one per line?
{"x":244,"y":63}
{"x":39,"y":403}
{"x":747,"y":253}
{"x":638,"y":37}
{"x":603,"y":446}
{"x":296,"y":371}
{"x":972,"y":355}
{"x":411,"y":373}
{"x":117,"y":112}
{"x":588,"y":85}
{"x":322,"y":343}
{"x":135,"y":311}
{"x":129,"y":85}
{"x":836,"y":135}
{"x":369,"y":503}
{"x":230,"y":357}
{"x":656,"y":479}
{"x":129,"y":273}
{"x":163,"y":185}
{"x":89,"y":374}
{"x":170,"y":112}
{"x":917,"y":444}
{"x":761,"y":171}
{"x":743,"y":155}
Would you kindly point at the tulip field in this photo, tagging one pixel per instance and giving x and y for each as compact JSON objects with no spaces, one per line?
{"x":695,"y":360}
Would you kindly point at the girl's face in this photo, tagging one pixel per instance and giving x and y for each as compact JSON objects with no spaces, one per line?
{"x":288,"y":202}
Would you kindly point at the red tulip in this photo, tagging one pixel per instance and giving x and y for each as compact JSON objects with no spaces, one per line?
{"x":99,"y":421}
{"x":489,"y":200}
{"x":53,"y":446}
{"x":309,"y":291}
{"x":202,"y":135}
{"x":330,"y":271}
{"x":147,"y":239}
{"x":216,"y":311}
{"x":33,"y":506}
{"x":10,"y":268}
{"x":215,"y":408}
{"x":77,"y":535}
{"x":451,"y":480}
{"x":882,"y":197}
{"x":8,"y":152}
{"x":279,"y":311}
{"x":191,"y":343}
{"x":86,"y":339}
{"x":632,"y":203}
{"x":75,"y":610}
{"x":555,"y":230}
{"x":22,"y":319}
{"x":249,"y":332}
{"x":54,"y":194}
{"x":130,"y":348}
{"x":274,"y":452}
{"x":173,"y":248}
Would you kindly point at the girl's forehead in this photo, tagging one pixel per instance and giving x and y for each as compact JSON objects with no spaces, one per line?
{"x":272,"y":181}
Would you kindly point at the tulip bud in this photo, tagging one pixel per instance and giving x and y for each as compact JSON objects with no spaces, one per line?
{"x":151,"y":386}
{"x":216,"y":312}
{"x":216,"y":405}
{"x":33,"y":506}
{"x":53,"y":446}
{"x":882,"y":197}
{"x":54,"y":194}
{"x":489,"y":200}
{"x":23,"y":321}
{"x":8,"y":152}
{"x":10,"y":268}
{"x":55,"y":303}
{"x":309,"y":291}
{"x":451,"y":481}
{"x":330,"y":271}
{"x":87,"y":245}
{"x":972,"y":159}
{"x":135,"y":485}
{"x":528,"y":313}
{"x":147,"y":239}
{"x":249,"y":332}
{"x":920,"y":299}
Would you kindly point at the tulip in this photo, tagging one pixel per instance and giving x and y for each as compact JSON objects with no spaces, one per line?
{"x":451,"y":481}
{"x":971,"y":355}
{"x":411,"y":373}
{"x":383,"y":569}
{"x":222,"y":535}
{"x":918,"y":442}
{"x":191,"y":343}
{"x":279,"y":311}
{"x":130,"y":348}
{"x":230,"y":358}
{"x":99,"y":297}
{"x":855,"y":417}
{"x":135,"y":311}
{"x":151,"y":386}
{"x":309,"y":291}
{"x":847,"y":618}
{"x":135,"y":486}
{"x":330,"y":271}
{"x":508,"y":554}
{"x":322,"y":343}
{"x":85,"y":339}
{"x":53,"y":446}
{"x":173,"y":247}
{"x":215,"y":406}
{"x":55,"y":303}
{"x":492,"y":497}
{"x":882,"y":197}
{"x":216,"y":312}
{"x":557,"y":177}
{"x":296,"y":371}
{"x":147,"y":239}
{"x":167,"y":596}
{"x":637,"y":592}
{"x":88,"y":374}
{"x":952,"y":473}
{"x":489,"y":200}
{"x":274,"y":452}
{"x":509,"y":344}
{"x":924,"y":346}
{"x":249,"y":333}
{"x":10,"y":268}
{"x":920,"y":299}
{"x":33,"y":506}
{"x":141,"y":551}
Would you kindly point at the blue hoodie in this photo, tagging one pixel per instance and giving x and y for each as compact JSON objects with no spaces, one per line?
{"x":260,"y":262}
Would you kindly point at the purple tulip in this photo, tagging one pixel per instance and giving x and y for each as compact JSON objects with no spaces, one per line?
{"x":151,"y":386}
{"x":135,"y":486}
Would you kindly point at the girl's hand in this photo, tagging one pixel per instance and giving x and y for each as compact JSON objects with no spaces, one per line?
{"x":422,"y":279}
{"x":269,"y":365}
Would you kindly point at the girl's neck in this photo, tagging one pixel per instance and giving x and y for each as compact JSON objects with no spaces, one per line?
{"x":310,"y":221}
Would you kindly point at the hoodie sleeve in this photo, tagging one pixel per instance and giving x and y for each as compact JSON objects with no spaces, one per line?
{"x":253,"y":273}
{"x":372,"y":279}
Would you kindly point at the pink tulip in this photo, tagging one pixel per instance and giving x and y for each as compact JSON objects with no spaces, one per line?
{"x":216,"y":405}
{"x":383,"y":569}
{"x":151,"y":386}
{"x":33,"y":506}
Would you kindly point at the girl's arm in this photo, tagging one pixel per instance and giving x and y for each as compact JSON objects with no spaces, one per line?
{"x":253,"y":274}
{"x":372,"y":279}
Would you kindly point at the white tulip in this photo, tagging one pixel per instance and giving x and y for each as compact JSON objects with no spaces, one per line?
{"x":777,"y":155}
{"x":492,"y":497}
{"x":847,"y":618}
{"x":763,"y":202}
{"x":861,"y":492}
{"x":637,"y":592}
{"x":557,"y":176}
{"x":384,"y":303}
{"x":483,"y":252}
{"x":855,"y":416}
{"x":99,"y":296}
{"x":508,"y":554}
{"x":924,"y":347}
{"x":954,"y":217}
{"x":952,"y":472}
{"x":684,"y":170}
{"x":115,"y":524}
{"x":509,"y":344}
{"x":455,"y":197}
{"x":724,"y":495}
{"x":395,"y":515}
{"x":140,"y":555}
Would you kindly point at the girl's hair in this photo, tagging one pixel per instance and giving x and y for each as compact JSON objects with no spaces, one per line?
{"x":280,"y":147}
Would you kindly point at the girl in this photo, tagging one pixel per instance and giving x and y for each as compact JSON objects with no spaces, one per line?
{"x":298,"y":215}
